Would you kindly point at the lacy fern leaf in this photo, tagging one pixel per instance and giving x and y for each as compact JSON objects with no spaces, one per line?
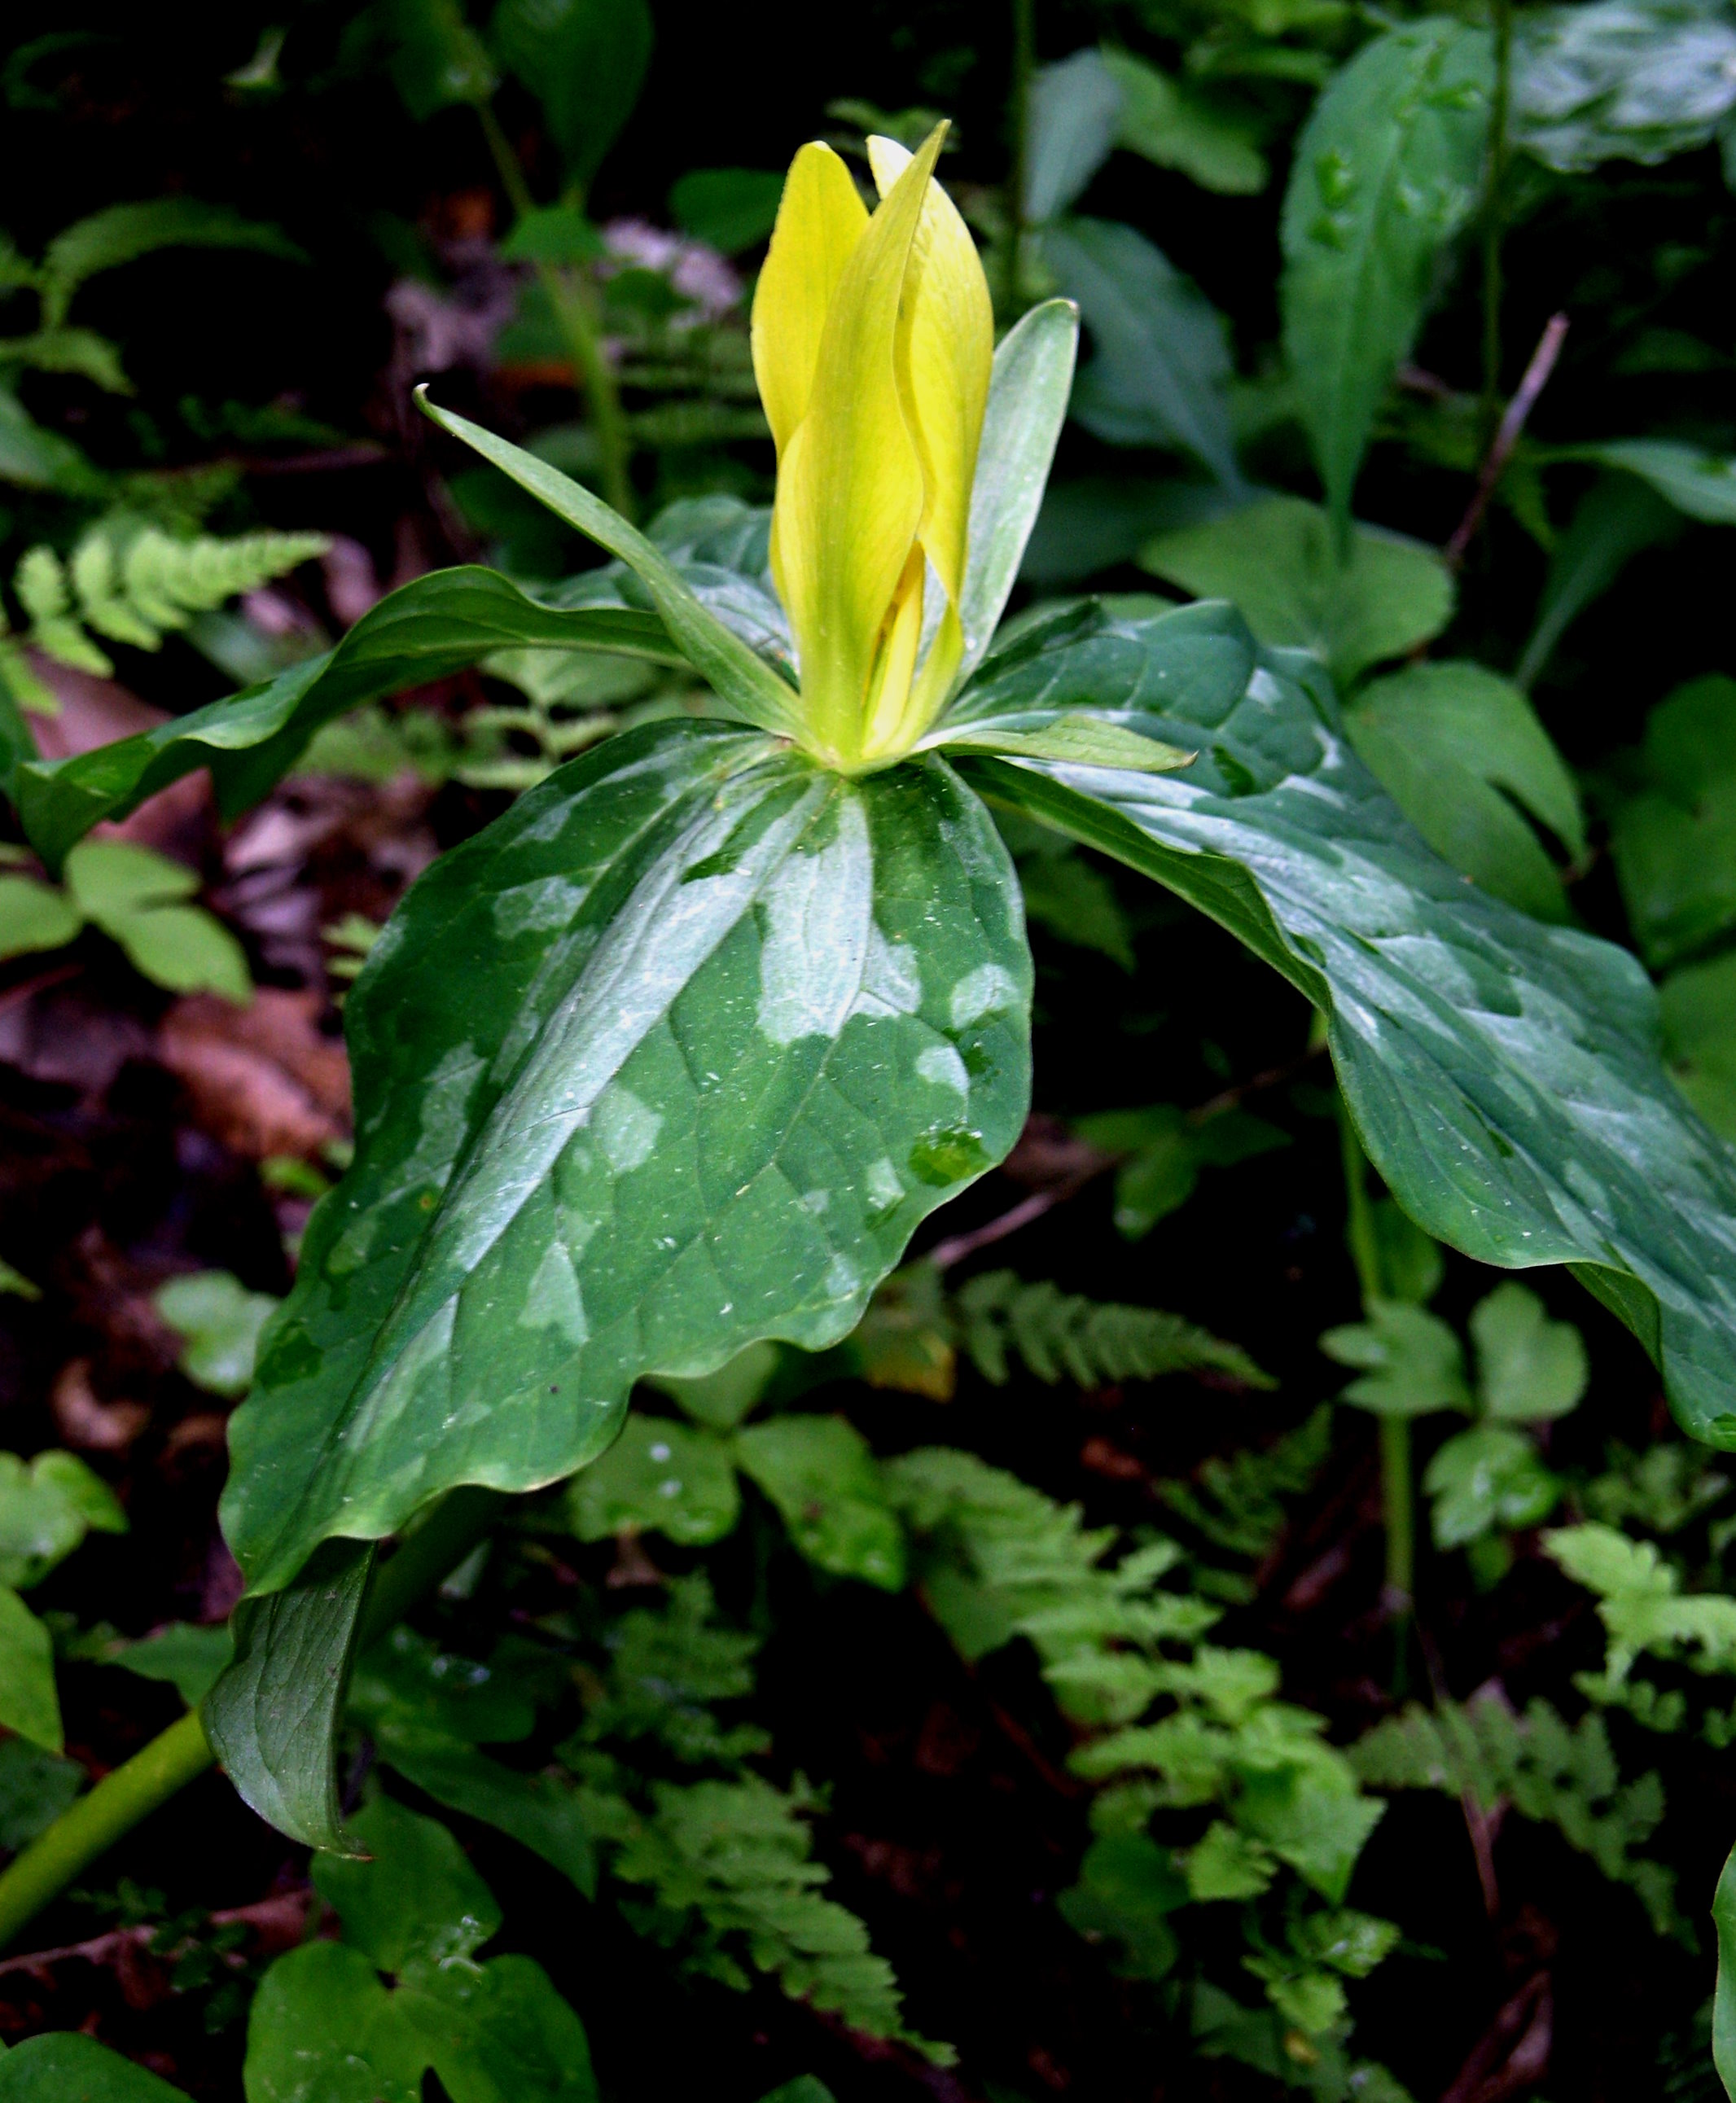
{"x":1063,"y":1336}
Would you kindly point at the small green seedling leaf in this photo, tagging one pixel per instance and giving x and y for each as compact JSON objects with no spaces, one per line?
{"x":29,"y":1702}
{"x":659,"y":1477}
{"x":1413,"y":1363}
{"x":819,"y":1473}
{"x":1530,"y":1369}
{"x":1490,"y":1477}
{"x":219,"y":1322}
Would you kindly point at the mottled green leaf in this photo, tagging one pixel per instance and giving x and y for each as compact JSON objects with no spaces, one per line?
{"x":1276,"y":561}
{"x":1386,"y":173}
{"x":659,"y":1477}
{"x":822,"y":1477}
{"x":1530,"y":1369}
{"x":1634,"y":80}
{"x":65,"y":2066}
{"x":427,"y":630}
{"x":1159,"y":369}
{"x":1457,"y":748}
{"x":1504,"y":1075}
{"x":1490,"y":1476}
{"x":29,"y":1703}
{"x":674,"y":1056}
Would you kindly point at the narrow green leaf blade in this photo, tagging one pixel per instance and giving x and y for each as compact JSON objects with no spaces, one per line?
{"x":1081,"y":740}
{"x":741,"y":680}
{"x":436,"y":625}
{"x":1505,"y":1075}
{"x":1027,"y":405}
{"x":1386,"y":173}
{"x":672,"y":1058}
{"x":29,"y":1702}
{"x":1724,"y":2000}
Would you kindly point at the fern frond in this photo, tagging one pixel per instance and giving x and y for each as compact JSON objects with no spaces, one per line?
{"x":1235,"y":1501}
{"x":1550,"y":1772}
{"x":1063,"y":1336}
{"x":135,"y":584}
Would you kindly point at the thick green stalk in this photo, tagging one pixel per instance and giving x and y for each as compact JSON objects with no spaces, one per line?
{"x":1494,"y":207}
{"x":180,"y":1754}
{"x":577,"y":325}
{"x":92,"y":1826}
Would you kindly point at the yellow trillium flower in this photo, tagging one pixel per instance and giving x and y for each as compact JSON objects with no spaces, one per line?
{"x":873,"y":340}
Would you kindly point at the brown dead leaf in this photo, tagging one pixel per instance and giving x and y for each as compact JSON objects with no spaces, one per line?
{"x":87,"y":1424}
{"x":263,"y":1079}
{"x":94,"y":712}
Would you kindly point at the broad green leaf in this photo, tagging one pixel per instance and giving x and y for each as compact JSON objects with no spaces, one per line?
{"x":1617,"y":518}
{"x":1490,"y":1476}
{"x":1076,"y":106}
{"x":1699,"y":484}
{"x":47,"y":1505}
{"x":220,"y":1322}
{"x":36,"y":1786}
{"x":190,"y":1659}
{"x":501,"y":2035}
{"x":1674,"y":838}
{"x":1159,"y":367}
{"x":1633,"y":80}
{"x":729,"y":209}
{"x":1166,"y":1151}
{"x":659,"y":1477}
{"x":1128,"y":1887}
{"x":1456,"y":748}
{"x":1170,"y":123}
{"x":185,"y":949}
{"x":1225,"y":1863}
{"x":65,"y":2066}
{"x":437,"y":59}
{"x":1028,"y":389}
{"x":406,"y":1682}
{"x":675,"y":1055}
{"x":1386,"y":173}
{"x":1276,"y":561}
{"x":720,"y":1400}
{"x":1697,"y":1005}
{"x":29,"y":1703}
{"x":585,"y":61}
{"x":820,"y":1474}
{"x":537,"y":1811}
{"x":413,"y":1903}
{"x":1530,"y":1369}
{"x":425,"y":630}
{"x":1724,"y":2000}
{"x":1412,"y":1365}
{"x":323,"y":2029}
{"x":34,"y":916}
{"x":1306,"y":1809}
{"x":124,"y":233}
{"x":743,"y":681}
{"x":1504,"y":1075}
{"x":272,"y":1717}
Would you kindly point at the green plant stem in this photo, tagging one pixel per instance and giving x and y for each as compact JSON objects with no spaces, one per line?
{"x":1018,"y":169}
{"x":180,"y":1754}
{"x":1493,"y":218}
{"x":1398,"y":1496}
{"x":577,"y":325}
{"x":93,"y":1824}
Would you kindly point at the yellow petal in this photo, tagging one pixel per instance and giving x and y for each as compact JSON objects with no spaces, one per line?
{"x":850,"y":488}
{"x":820,"y":219}
{"x":945,"y":354}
